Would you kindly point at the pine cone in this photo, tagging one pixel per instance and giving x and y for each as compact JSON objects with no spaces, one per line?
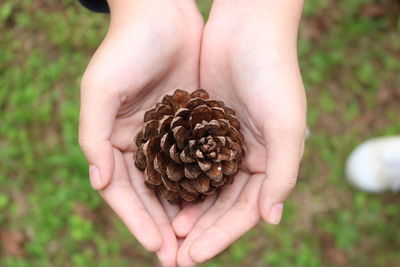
{"x":189,"y":146}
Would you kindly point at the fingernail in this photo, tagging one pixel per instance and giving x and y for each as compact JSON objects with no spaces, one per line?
{"x":275,"y":214}
{"x":95,"y":178}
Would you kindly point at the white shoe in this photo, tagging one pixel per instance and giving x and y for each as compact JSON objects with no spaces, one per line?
{"x":374,"y":166}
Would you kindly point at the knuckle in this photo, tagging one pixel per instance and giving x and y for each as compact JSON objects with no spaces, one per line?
{"x":84,"y":143}
{"x":221,"y":230}
{"x":121,"y":182}
{"x":245,"y":204}
{"x":90,"y":78}
{"x":290,"y":124}
{"x":86,"y":81}
{"x":91,"y":82}
{"x":224,"y":201}
{"x":291,"y":183}
{"x":292,"y":128}
{"x":281,"y":188}
{"x":302,"y":147}
{"x":145,"y":193}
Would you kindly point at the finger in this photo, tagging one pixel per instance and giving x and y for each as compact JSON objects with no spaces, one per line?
{"x":224,"y":201}
{"x":122,"y":198}
{"x":167,"y":252}
{"x":188,"y":216}
{"x":171,"y":210}
{"x":98,"y":111}
{"x":180,"y":241}
{"x":284,"y":151}
{"x":239,"y":219}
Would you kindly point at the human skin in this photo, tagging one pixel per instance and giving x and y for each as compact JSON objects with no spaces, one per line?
{"x":249,"y":60}
{"x":147,"y":52}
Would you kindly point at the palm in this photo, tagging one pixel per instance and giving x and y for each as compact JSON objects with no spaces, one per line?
{"x":244,"y":77}
{"x":152,"y":54}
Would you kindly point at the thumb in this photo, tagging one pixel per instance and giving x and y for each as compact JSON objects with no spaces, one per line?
{"x":284,"y":152}
{"x":99,"y":108}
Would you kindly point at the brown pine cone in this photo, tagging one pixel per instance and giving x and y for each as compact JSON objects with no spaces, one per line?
{"x":189,"y":146}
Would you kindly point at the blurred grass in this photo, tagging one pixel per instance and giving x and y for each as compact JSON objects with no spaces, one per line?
{"x":349,"y":54}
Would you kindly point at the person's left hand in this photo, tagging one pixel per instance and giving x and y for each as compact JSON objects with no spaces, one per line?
{"x":253,"y":68}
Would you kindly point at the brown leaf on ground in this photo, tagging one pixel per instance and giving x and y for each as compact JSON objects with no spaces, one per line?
{"x":336,"y":256}
{"x":12,"y":242}
{"x":388,"y":95}
{"x":317,"y":27}
{"x":21,"y":203}
{"x":373,"y":11}
{"x":83,"y":210}
{"x":365,"y":120}
{"x":332,"y":254}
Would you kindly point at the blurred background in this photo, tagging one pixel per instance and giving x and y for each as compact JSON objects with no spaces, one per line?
{"x":49,"y":216}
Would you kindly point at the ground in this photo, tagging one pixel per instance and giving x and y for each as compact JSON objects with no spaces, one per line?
{"x":349,"y":53}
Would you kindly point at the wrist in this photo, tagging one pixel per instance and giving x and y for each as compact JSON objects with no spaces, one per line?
{"x":122,"y":7}
{"x":279,"y":15}
{"x":125,"y":12}
{"x":268,"y":23}
{"x":120,"y":4}
{"x":125,"y":6}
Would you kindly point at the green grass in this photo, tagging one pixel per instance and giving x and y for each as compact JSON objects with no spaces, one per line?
{"x":346,"y":63}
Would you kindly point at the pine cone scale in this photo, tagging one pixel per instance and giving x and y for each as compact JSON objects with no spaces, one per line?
{"x":190,"y":146}
{"x":174,"y":172}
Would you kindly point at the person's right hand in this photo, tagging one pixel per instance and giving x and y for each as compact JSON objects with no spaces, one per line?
{"x":148,"y":52}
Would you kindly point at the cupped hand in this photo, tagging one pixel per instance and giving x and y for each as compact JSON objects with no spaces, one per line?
{"x":249,"y":61}
{"x":147,"y":52}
